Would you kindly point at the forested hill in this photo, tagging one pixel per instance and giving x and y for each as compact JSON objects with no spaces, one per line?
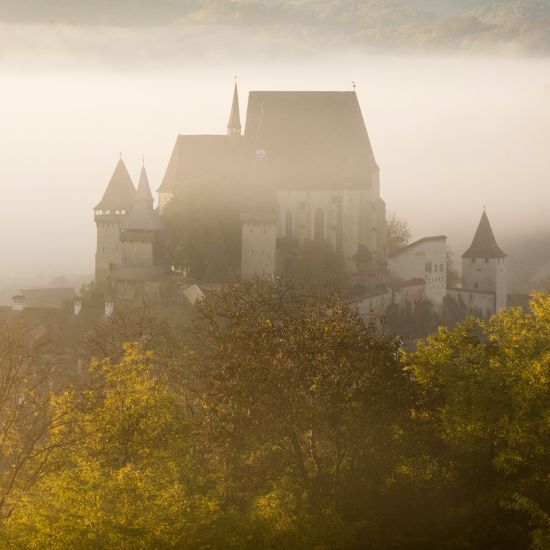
{"x":519,"y":25}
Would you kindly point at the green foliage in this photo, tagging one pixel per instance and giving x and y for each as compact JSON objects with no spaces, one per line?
{"x":319,"y":266}
{"x":485,"y":392}
{"x":299,"y":385}
{"x":204,"y":232}
{"x":25,"y":421}
{"x":277,"y":419}
{"x":453,"y":278}
{"x":412,"y":321}
{"x":92,"y":294}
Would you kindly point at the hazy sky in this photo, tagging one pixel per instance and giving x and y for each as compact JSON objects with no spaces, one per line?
{"x":449,"y":133}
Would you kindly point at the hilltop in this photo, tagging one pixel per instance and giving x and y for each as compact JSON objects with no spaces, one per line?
{"x":425,"y":25}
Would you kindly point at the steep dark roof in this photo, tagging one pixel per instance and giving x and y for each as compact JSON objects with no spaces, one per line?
{"x":306,"y":140}
{"x":310,"y":140}
{"x":484,"y":244}
{"x":120,"y":191}
{"x":199,"y":158}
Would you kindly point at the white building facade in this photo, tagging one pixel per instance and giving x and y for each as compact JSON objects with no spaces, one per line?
{"x":425,"y":259}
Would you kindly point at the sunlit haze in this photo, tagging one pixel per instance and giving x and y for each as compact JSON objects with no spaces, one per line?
{"x":450,"y":133}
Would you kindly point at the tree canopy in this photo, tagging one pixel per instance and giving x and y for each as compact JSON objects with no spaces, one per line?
{"x":278,"y":419}
{"x":204,"y":231}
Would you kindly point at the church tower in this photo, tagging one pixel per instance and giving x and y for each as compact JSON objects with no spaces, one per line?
{"x":110,"y":213}
{"x":234,"y":123}
{"x":143,"y":238}
{"x":484,"y":264}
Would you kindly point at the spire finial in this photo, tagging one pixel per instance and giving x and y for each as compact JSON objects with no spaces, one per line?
{"x":354,"y":84}
{"x":143,"y":159}
{"x":120,"y":156}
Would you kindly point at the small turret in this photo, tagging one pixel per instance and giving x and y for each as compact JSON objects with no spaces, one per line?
{"x":484,"y":264}
{"x":143,"y":238}
{"x":110,"y":213}
{"x":234,"y":124}
{"x":142,"y":216}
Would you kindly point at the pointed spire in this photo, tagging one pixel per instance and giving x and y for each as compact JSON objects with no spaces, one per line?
{"x":143,"y":217}
{"x":234,"y":124}
{"x":143,"y":197}
{"x":484,"y":244}
{"x":119,"y":194}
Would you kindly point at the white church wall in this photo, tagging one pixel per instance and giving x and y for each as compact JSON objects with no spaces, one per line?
{"x":350,"y":218}
{"x":409,"y":293}
{"x":425,"y":259}
{"x":373,"y":305}
{"x":486,"y":275}
{"x":502,"y":285}
{"x":476,"y":301}
{"x":259,"y":240}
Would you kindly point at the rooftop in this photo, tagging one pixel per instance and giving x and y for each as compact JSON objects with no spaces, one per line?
{"x":484,"y":244}
{"x":120,"y":191}
{"x":416,"y":243}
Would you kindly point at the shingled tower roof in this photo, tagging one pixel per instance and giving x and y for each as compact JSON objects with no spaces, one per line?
{"x":143,"y":194}
{"x":143,"y":217}
{"x":234,"y":124}
{"x":484,"y":244}
{"x":120,"y":191}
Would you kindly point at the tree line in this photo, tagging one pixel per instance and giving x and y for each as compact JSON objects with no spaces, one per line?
{"x":276,"y":418}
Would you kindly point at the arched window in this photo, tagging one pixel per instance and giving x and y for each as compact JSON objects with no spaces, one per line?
{"x":319,"y":225}
{"x":288,"y":224}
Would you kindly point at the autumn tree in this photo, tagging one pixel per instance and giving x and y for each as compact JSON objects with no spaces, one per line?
{"x":26,"y":373}
{"x":485,"y":393}
{"x":299,"y":394}
{"x":398,"y":233}
{"x":318,"y":265}
{"x":453,"y":277}
{"x":123,"y":481}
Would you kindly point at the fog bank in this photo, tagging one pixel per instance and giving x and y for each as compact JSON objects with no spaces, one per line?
{"x":450,"y":134}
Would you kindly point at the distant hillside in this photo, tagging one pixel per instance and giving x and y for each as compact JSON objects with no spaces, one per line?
{"x":519,"y":25}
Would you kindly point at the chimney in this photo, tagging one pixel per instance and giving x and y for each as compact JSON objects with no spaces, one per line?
{"x":109,"y":308}
{"x":18,"y":302}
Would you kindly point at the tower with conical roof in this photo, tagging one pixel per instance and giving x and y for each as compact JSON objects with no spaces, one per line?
{"x":484,"y":264}
{"x":143,"y":238}
{"x":110,"y":214}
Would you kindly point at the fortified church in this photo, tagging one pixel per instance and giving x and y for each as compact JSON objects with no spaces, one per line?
{"x":305,"y":170}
